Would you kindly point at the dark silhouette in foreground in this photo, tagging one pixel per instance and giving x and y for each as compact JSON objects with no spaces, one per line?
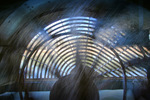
{"x":78,"y":85}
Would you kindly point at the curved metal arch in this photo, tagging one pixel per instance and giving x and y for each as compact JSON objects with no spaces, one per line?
{"x":62,"y":55}
{"x":28,"y":51}
{"x":87,"y":59}
{"x":31,"y":53}
{"x":37,"y":58}
{"x":47,"y":56}
{"x":72,"y":63}
{"x":64,"y":20}
{"x":21,"y":78}
{"x":79,"y":31}
{"x":34,"y":54}
{"x":43,"y":60}
{"x":124,"y":74}
{"x":87,"y":62}
{"x":80,"y":52}
{"x":71,"y":24}
{"x":72,"y":57}
{"x":40,"y":43}
{"x":38,"y":55}
{"x":58,"y":45}
{"x":43,"y":57}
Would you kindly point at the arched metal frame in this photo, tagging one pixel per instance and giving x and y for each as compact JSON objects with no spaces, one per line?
{"x":65,"y":42}
{"x":108,"y":62}
{"x":125,"y":55}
